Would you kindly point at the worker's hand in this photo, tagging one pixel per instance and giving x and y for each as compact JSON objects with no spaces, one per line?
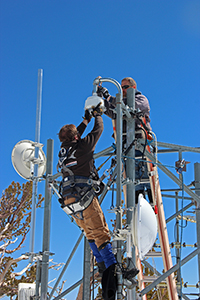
{"x":102,"y":92}
{"x":97,"y":110}
{"x":87,"y":116}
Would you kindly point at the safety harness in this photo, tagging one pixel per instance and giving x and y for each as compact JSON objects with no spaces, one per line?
{"x":82,"y":189}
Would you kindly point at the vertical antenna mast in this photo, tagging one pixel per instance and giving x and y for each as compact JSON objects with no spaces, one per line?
{"x":35,"y":173}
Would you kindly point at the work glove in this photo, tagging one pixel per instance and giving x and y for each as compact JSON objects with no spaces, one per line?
{"x":97,"y":111}
{"x":102,"y":92}
{"x":87,"y":116}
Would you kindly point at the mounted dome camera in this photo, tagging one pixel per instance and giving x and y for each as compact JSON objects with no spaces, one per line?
{"x":92,"y":101}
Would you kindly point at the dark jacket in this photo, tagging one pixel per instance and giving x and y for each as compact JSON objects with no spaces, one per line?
{"x":81,"y":153}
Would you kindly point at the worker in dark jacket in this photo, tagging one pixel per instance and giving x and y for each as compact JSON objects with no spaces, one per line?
{"x":78,"y":167}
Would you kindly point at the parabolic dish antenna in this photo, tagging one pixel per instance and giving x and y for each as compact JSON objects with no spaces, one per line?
{"x":23,"y":159}
{"x":144,"y":226}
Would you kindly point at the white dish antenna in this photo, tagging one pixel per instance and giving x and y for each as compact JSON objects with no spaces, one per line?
{"x":23,"y":159}
{"x":144,"y":226}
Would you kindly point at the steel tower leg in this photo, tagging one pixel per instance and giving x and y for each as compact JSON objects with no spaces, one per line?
{"x":197,"y":186}
{"x":130,"y":174}
{"x":86,"y":271}
{"x":178,"y":252}
{"x":178,"y":249}
{"x":119,"y":186}
{"x":47,"y":222}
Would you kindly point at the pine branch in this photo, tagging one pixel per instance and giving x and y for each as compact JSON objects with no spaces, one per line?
{"x":19,"y":246}
{"x":9,"y":263}
{"x":13,"y":275}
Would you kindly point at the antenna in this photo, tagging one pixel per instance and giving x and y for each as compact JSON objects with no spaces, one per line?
{"x":144,"y":227}
{"x":37,"y":140}
{"x":30,"y":162}
{"x":23,"y":159}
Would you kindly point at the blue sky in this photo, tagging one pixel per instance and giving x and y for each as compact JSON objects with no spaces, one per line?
{"x":155,"y":42}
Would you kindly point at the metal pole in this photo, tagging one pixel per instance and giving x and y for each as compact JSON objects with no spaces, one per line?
{"x":35,"y":179}
{"x":73,"y":287}
{"x":119,"y":105}
{"x":119,"y":185}
{"x":178,"y":212}
{"x":169,"y":272}
{"x":47,"y":222}
{"x":111,"y":80}
{"x":170,"y":174}
{"x":130,"y":163}
{"x":39,"y":104}
{"x":197,"y":186}
{"x":66,"y":265}
{"x":176,"y":148}
{"x":130,"y":174}
{"x":38,"y":277}
{"x":86,"y":271}
{"x":177,"y":249}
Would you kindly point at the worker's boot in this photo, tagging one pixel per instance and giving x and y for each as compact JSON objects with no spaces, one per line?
{"x":109,"y":278}
{"x":109,"y":283}
{"x":102,"y":268}
{"x":130,"y":273}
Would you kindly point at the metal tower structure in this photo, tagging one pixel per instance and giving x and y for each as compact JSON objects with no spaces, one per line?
{"x":126,"y":184}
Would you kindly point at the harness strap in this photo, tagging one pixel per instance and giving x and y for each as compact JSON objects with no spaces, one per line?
{"x":71,"y":181}
{"x":76,"y":207}
{"x":67,"y":170}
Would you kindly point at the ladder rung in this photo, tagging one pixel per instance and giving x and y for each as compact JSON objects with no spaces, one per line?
{"x":152,"y":279}
{"x":153,"y":254}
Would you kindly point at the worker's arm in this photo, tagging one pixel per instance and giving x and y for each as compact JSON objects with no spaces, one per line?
{"x":109,"y":108}
{"x":85,"y":122}
{"x":81,"y":128}
{"x":91,"y":139}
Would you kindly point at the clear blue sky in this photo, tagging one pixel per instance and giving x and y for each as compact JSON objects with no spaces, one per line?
{"x":155,"y":42}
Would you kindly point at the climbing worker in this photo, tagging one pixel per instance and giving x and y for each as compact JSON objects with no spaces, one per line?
{"x":80,"y":186}
{"x":141,"y":103}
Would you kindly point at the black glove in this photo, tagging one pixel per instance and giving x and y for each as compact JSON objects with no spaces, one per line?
{"x":97,"y":111}
{"x":87,"y":116}
{"x":102,"y":92}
